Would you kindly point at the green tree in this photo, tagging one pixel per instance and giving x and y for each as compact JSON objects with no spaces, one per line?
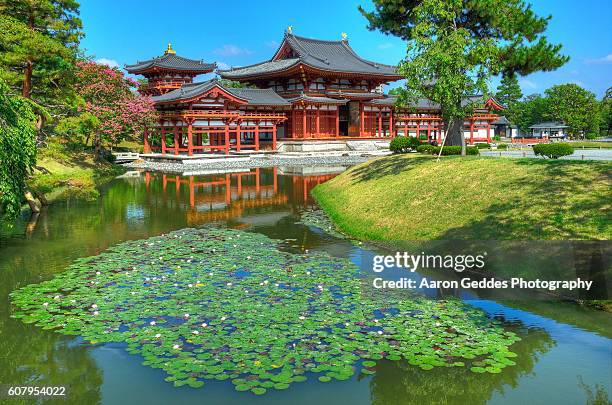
{"x":528,"y":112}
{"x":17,"y":149}
{"x":606,"y":112}
{"x":576,"y":107}
{"x":509,"y":92}
{"x":455,"y":46}
{"x":38,"y":48}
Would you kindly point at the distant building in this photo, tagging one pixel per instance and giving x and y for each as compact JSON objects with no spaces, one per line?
{"x":551,"y":130}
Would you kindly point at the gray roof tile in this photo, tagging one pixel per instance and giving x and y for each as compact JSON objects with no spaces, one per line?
{"x":336,"y":56}
{"x":251,"y":96}
{"x":316,"y":99}
{"x":172,"y":62}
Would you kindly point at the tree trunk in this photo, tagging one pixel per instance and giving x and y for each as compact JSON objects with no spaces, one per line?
{"x":32,"y":202}
{"x":454,"y":134}
{"x":27,"y":79}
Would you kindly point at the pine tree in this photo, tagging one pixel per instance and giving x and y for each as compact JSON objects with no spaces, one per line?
{"x":509,"y":92}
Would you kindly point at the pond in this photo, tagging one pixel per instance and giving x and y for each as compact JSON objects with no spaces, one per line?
{"x":563,"y":355}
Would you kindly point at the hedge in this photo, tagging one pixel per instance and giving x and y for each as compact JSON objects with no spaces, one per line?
{"x":553,"y":150}
{"x":401,"y":144}
{"x":447,"y":150}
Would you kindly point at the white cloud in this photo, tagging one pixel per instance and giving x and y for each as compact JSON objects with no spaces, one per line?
{"x":223,"y":66}
{"x":108,"y":62}
{"x":385,"y":45}
{"x":272,"y":44}
{"x":605,"y":59}
{"x":527,"y":84}
{"x":578,"y":82}
{"x":231,"y":50}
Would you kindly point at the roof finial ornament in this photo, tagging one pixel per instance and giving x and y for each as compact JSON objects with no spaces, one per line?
{"x":290,"y":29}
{"x":170,"y":50}
{"x":344,"y":36}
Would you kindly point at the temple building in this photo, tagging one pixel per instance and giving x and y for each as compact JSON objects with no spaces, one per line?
{"x":310,"y":92}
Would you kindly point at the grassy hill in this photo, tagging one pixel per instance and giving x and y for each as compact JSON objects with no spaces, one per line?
{"x":413,"y":197}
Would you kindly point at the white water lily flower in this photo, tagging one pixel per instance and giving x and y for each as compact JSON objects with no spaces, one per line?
{"x":302,"y":317}
{"x":229,"y":284}
{"x":186,"y":315}
{"x":72,"y":301}
{"x":98,"y":273}
{"x":57,"y":297}
{"x":195,"y":332}
{"x":204,"y":325}
{"x":189,"y":285}
{"x":152,"y":323}
{"x":158,"y":335}
{"x":223,"y":318}
{"x":438,"y":324}
{"x":46,"y":304}
{"x":308,"y":273}
{"x":276,"y":285}
{"x":176,"y":347}
{"x":376,"y":320}
{"x":210,"y":274}
{"x":94,"y":306}
{"x":96,"y":313}
{"x":248,"y":257}
{"x":133,"y":293}
{"x":266,"y":282}
{"x":380,"y":332}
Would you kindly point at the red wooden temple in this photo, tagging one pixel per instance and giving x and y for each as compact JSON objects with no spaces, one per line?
{"x":310,"y":90}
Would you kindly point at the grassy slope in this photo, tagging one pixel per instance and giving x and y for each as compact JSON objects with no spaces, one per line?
{"x":71,"y":173}
{"x":411,"y":197}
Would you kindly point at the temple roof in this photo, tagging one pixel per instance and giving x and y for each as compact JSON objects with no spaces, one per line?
{"x":334,"y":56}
{"x":549,"y":125}
{"x":171,"y":61}
{"x":421,"y":103}
{"x":250,"y":96}
{"x":315,"y":99}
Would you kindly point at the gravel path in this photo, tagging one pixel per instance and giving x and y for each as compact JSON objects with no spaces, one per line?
{"x":267,"y":161}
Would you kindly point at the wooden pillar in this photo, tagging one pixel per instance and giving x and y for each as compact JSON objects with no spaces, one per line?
{"x":176,"y":139}
{"x":163,"y":138}
{"x":274,"y":136}
{"x":380,"y":127}
{"x":164,"y":182}
{"x":361,"y":119}
{"x":488,"y":132}
{"x":293,"y":123}
{"x":257,"y":181}
{"x":227,"y":139}
{"x":257,"y":136}
{"x":239,"y":183}
{"x":471,"y":131}
{"x":317,"y":123}
{"x":418,"y":130}
{"x":238,"y":141}
{"x":190,"y":138}
{"x":147,"y":147}
{"x":391,"y":123}
{"x":337,"y":121}
{"x":177,"y":187}
{"x":305,"y":132}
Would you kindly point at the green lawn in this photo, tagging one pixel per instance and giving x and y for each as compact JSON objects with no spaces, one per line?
{"x":591,"y":145}
{"x":70,"y":173}
{"x":413,"y":197}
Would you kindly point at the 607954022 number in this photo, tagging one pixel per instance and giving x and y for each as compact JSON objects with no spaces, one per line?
{"x":32,"y":391}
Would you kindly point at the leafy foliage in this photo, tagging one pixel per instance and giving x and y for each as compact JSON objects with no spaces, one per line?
{"x":509,"y":91}
{"x":447,"y":150}
{"x":402,"y":144}
{"x":17,"y":149}
{"x":38,"y":47}
{"x":553,"y":150}
{"x":455,"y":46}
{"x":576,"y":107}
{"x":214,"y":304}
{"x":112,"y":110}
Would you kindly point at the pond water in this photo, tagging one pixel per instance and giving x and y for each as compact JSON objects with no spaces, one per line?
{"x":564,"y":357}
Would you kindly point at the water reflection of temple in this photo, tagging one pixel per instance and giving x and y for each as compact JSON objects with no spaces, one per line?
{"x":223,"y":196}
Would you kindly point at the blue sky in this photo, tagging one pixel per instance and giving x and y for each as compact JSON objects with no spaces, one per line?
{"x":240,"y":32}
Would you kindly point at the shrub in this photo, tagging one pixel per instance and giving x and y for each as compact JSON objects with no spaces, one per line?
{"x":502,"y":146}
{"x":483,"y":146}
{"x":553,"y":150}
{"x":426,"y":148}
{"x":447,"y":150}
{"x":401,"y":144}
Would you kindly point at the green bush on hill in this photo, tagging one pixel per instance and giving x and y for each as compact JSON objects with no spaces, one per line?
{"x":502,"y":146}
{"x":402,"y":144}
{"x":447,"y":150}
{"x":483,"y":146}
{"x":553,"y":150}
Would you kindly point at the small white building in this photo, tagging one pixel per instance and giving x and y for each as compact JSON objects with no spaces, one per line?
{"x":551,"y":130}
